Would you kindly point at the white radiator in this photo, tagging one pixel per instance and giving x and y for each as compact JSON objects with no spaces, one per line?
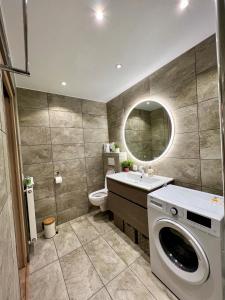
{"x":31,"y":214}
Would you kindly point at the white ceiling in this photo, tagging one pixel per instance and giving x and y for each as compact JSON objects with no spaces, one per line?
{"x":67,"y":44}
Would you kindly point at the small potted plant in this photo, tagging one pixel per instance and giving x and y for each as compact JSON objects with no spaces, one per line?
{"x":126,"y":165}
{"x":117,"y":148}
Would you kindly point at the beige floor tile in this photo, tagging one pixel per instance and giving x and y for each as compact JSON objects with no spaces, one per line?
{"x":81,"y":279}
{"x":44,"y":253}
{"x":123,"y":246}
{"x":127,"y":286}
{"x":85,"y":231}
{"x":101,"y":295}
{"x":142,"y":269}
{"x":101,"y":221}
{"x":107,"y":263}
{"x":66,"y":240}
{"x":47,"y":284}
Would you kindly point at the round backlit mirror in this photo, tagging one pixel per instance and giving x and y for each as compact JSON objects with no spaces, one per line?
{"x":148,"y":131}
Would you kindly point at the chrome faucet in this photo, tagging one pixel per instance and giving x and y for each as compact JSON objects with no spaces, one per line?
{"x":142,"y":171}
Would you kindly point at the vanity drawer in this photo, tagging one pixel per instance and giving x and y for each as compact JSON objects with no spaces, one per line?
{"x":129,"y":192}
{"x":130,"y":212}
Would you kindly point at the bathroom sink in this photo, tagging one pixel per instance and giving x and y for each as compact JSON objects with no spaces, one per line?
{"x":138,"y":180}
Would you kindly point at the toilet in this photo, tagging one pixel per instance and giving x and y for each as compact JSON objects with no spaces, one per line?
{"x":99,"y":198}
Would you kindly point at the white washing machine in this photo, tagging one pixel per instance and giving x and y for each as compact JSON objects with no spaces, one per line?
{"x":187,"y":242}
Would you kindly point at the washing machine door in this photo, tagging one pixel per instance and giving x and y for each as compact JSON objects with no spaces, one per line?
{"x":180,"y":251}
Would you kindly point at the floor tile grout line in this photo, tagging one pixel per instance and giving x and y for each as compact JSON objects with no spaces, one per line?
{"x":143,"y":283}
{"x":61,"y":270}
{"x":92,"y":266}
{"x":104,"y":287}
{"x":31,"y":273}
{"x":118,"y":254}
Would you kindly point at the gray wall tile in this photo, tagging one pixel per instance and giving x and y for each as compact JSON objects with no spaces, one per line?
{"x":39,"y":171}
{"x":72,"y":183}
{"x":115,"y":105}
{"x":70,"y":214}
{"x":31,"y":99}
{"x":34,"y":117}
{"x":92,"y":107}
{"x":64,"y":103}
{"x":93,"y":149}
{"x":116,"y":119}
{"x":186,"y":119}
{"x":65,"y":119}
{"x":95,"y":135}
{"x":36,"y":154}
{"x":44,"y":188}
{"x":135,"y":93}
{"x":210,"y":145}
{"x":211,"y":171}
{"x":66,"y":152}
{"x":92,"y":121}
{"x":45,"y":207}
{"x":67,"y":135}
{"x":179,"y":70}
{"x":208,"y":112}
{"x":206,"y":55}
{"x":35,"y":136}
{"x":207,"y":84}
{"x":73,"y":199}
{"x":184,"y":170}
{"x":185,"y":145}
{"x":180,"y":93}
{"x":70,"y":168}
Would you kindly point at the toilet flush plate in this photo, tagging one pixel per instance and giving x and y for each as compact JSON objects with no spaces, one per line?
{"x":111,"y":161}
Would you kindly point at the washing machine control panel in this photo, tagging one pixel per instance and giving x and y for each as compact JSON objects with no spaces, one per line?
{"x":183,"y":215}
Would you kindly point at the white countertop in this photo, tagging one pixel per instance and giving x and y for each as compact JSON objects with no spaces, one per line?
{"x":147,"y":183}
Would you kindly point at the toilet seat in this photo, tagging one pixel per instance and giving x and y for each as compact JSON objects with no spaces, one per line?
{"x":98,"y":198}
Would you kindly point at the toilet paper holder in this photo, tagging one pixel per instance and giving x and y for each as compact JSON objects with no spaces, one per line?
{"x":58,"y":178}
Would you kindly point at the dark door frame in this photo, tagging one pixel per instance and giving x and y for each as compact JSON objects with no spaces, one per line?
{"x":15,"y":167}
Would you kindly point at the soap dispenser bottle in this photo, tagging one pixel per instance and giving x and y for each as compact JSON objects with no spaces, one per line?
{"x":150,"y":171}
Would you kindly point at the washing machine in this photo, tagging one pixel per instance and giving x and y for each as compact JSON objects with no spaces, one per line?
{"x":186,"y":230}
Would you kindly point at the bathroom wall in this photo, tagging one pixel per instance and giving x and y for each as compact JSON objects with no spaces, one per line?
{"x":188,"y":87}
{"x":9,"y":279}
{"x":64,"y":134}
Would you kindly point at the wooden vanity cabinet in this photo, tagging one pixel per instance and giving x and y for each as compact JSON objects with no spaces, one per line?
{"x":128,"y":204}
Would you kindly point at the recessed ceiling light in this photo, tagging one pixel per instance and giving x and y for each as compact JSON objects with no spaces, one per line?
{"x":63,"y":83}
{"x":118,"y":66}
{"x":99,"y":15}
{"x":184,"y":4}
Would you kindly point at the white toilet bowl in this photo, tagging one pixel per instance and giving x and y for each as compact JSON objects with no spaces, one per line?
{"x":99,"y":198}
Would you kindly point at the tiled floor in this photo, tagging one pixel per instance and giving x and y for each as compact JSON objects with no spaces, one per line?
{"x":91,"y":259}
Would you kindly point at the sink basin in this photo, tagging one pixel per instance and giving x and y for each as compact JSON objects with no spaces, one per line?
{"x":136,"y":179}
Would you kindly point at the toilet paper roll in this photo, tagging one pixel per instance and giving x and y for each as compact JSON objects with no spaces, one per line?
{"x":58,"y":179}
